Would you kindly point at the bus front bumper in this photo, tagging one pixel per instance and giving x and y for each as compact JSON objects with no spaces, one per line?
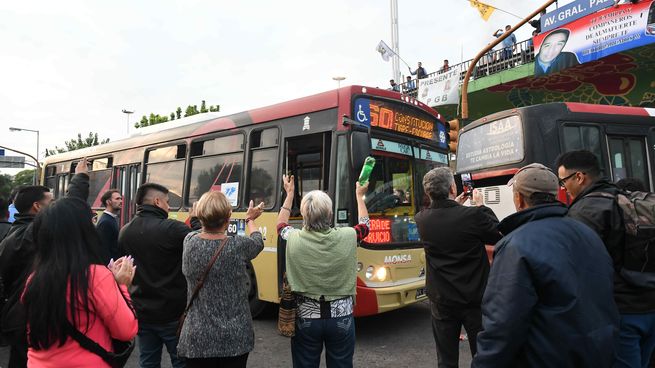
{"x":375,"y":300}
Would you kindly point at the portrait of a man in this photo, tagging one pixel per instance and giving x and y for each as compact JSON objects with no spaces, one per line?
{"x":551,"y":58}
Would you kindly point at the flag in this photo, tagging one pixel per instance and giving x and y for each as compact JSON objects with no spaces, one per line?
{"x":385,"y":51}
{"x":484,"y":9}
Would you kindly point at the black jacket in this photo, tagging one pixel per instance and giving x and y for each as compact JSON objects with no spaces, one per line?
{"x":603,"y":215}
{"x":159,"y":289}
{"x":548,"y":302}
{"x":4,"y":229}
{"x":457,"y":263}
{"x":17,"y":249}
{"x":107,"y":228}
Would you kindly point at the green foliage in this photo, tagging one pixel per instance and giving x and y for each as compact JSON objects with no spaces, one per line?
{"x":5,"y":185}
{"x":77,"y":143}
{"x":190,"y":110}
{"x":24,"y":177}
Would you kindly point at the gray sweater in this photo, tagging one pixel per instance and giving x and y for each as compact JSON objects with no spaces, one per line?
{"x":219,"y":323}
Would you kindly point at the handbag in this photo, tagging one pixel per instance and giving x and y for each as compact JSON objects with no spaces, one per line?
{"x":199,"y":285}
{"x":286,"y":321}
{"x":121,"y":349}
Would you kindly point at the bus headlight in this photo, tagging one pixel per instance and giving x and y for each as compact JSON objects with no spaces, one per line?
{"x":381,"y":273}
{"x":359,"y":266}
{"x":369,"y":272}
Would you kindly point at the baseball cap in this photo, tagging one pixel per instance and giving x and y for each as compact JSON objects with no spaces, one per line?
{"x":534,"y":178}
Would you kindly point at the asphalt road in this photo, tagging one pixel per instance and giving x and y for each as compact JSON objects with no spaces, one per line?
{"x":401,"y":338}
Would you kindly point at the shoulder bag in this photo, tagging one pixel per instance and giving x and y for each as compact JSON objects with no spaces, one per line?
{"x":286,"y":322}
{"x":121,"y":349}
{"x":199,"y":285}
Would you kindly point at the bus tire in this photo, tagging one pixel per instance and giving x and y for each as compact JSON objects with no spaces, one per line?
{"x":256,"y":306}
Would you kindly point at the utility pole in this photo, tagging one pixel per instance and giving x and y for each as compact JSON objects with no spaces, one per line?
{"x":128,"y":113}
{"x":395,"y":63}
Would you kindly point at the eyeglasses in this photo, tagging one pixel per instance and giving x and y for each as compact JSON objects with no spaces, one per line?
{"x":562,"y":181}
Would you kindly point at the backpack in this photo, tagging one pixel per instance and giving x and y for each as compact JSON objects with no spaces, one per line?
{"x":638,"y":211}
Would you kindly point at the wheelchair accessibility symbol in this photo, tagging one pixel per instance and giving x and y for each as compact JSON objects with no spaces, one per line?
{"x":361,"y":115}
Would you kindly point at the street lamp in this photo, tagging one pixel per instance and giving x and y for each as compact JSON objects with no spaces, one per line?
{"x":37,"y":173}
{"x":338,"y":79}
{"x":128,"y":113}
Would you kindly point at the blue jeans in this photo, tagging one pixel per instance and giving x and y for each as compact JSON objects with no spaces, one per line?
{"x":338,"y":335}
{"x":151,"y":337}
{"x":636,"y":340}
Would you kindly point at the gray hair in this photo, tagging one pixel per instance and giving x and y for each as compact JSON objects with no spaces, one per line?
{"x":437,"y":183}
{"x":316,"y":210}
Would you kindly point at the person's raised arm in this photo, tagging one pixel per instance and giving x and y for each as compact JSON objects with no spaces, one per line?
{"x":79,"y":184}
{"x":360,"y":192}
{"x":251,"y":215}
{"x":285,"y":210}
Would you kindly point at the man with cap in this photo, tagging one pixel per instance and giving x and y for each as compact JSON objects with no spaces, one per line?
{"x":548,"y":301}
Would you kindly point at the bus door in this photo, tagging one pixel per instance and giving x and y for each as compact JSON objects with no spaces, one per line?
{"x":307,"y":158}
{"x":127,"y":179}
{"x":628,"y":158}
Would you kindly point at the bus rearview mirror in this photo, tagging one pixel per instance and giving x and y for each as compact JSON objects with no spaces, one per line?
{"x":360,"y":148}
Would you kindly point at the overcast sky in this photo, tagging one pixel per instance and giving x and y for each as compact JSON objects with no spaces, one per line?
{"x":71,"y":67}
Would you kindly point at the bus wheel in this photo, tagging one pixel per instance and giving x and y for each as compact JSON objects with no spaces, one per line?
{"x":256,"y":306}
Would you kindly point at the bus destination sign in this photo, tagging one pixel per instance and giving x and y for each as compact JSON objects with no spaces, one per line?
{"x":394,"y":117}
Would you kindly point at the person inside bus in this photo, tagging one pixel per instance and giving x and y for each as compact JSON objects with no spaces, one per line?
{"x":217,"y":331}
{"x":579,"y":174}
{"x":548,"y":271}
{"x":551,"y":58}
{"x":457,"y":263}
{"x":321,"y":270}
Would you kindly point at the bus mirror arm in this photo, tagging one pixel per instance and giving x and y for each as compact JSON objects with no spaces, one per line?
{"x":355,"y":124}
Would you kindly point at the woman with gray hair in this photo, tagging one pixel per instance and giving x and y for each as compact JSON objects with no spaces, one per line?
{"x":322,"y":272}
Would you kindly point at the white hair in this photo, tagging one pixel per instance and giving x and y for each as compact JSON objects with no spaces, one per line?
{"x":316,"y":210}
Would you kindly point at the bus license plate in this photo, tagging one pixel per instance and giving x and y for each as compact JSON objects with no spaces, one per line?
{"x":420,"y":293}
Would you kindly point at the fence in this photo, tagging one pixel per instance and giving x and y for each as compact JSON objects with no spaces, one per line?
{"x":493,"y":62}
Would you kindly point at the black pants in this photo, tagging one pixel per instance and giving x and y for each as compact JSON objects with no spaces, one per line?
{"x":446,"y":326}
{"x":222,"y":362}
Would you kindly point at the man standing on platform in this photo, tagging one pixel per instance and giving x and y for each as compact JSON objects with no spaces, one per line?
{"x":108,"y":223}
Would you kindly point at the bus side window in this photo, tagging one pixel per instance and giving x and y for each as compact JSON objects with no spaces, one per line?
{"x":263,"y":170}
{"x":217,"y":165}
{"x":308,"y":159}
{"x":165,"y":166}
{"x":99,"y":180}
{"x":628,"y":158}
{"x":584,"y":137}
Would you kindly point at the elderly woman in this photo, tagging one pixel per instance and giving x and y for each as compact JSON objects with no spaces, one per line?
{"x":322,"y":272}
{"x":218,"y":329}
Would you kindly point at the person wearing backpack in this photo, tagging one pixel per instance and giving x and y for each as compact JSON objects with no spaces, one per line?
{"x":595,"y":202}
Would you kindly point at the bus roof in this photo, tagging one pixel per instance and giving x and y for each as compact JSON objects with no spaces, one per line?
{"x":568,"y":107}
{"x":206,"y":123}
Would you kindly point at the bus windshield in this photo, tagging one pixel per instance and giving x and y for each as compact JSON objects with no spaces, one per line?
{"x":492,"y":144}
{"x":395,"y":195}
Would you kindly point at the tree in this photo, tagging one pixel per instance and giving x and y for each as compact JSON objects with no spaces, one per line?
{"x":178,"y":112}
{"x":172,"y":116}
{"x":191,"y":110}
{"x":5,"y":186}
{"x":77,"y":143}
{"x":203,"y":107}
{"x":24,"y":177}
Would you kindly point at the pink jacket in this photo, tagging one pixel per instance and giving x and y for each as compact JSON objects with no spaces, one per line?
{"x":111,"y":318}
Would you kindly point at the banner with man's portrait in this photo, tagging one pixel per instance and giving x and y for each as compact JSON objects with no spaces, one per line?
{"x":595,"y":36}
{"x":440,"y":89}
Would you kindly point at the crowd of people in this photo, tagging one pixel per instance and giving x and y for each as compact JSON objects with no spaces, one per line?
{"x":554,"y":295}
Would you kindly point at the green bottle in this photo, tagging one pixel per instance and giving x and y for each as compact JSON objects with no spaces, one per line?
{"x":367,"y":169}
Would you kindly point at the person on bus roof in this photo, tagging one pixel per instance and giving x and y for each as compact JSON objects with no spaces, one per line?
{"x":321,"y":269}
{"x":457,"y":263}
{"x":579,"y":173}
{"x":549,"y":297}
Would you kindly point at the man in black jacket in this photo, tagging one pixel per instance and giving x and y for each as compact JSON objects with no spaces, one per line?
{"x":579,"y":173}
{"x":159,"y":289}
{"x":17,"y":250}
{"x":457,"y":263}
{"x":549,"y":301}
{"x":4,"y":218}
{"x":107,"y":225}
